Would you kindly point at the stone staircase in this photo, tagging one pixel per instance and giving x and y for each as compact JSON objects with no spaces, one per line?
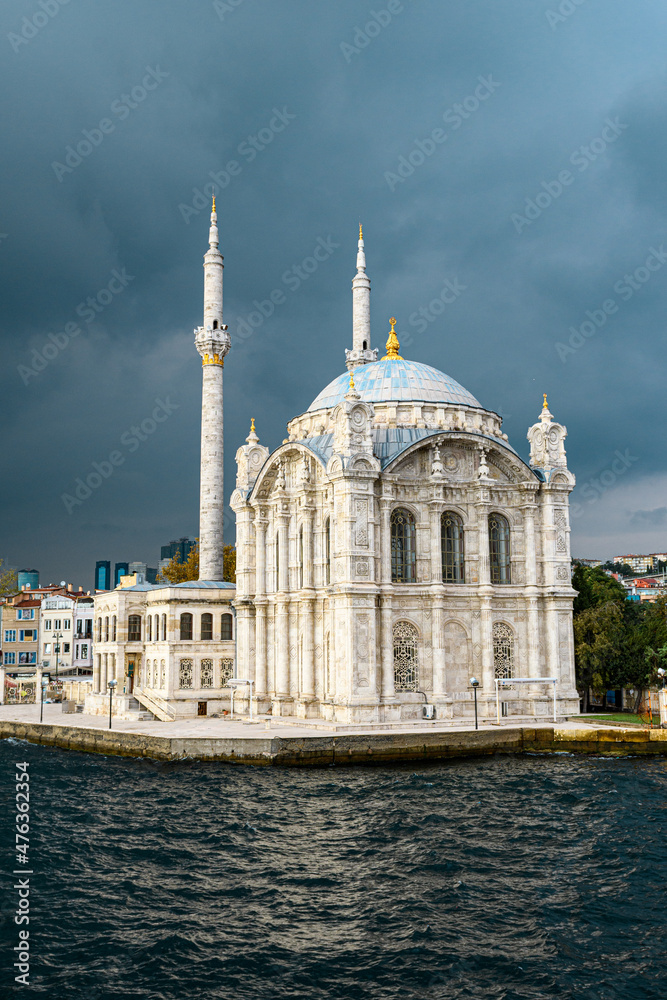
{"x":137,"y":713}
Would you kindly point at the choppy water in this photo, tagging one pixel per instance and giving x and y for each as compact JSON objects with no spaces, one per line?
{"x":508,"y":877}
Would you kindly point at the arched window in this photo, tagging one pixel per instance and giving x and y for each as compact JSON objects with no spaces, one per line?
{"x":403,"y":554}
{"x":113,"y":629}
{"x":499,"y":549}
{"x":106,"y":629}
{"x":226,"y":628}
{"x":406,"y":662}
{"x":149,"y":628}
{"x":503,"y":650}
{"x":327,"y":552}
{"x":215,"y":324}
{"x":186,"y":626}
{"x":99,"y":630}
{"x":156,"y":628}
{"x":206,"y":626}
{"x":134,"y":628}
{"x":301,"y":558}
{"x":164,"y":627}
{"x":451,"y":544}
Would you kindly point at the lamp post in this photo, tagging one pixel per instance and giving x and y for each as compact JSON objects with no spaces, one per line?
{"x":112,"y":685}
{"x":474,"y":684}
{"x":43,"y":685}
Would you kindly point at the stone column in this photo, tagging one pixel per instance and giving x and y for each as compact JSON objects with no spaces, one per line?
{"x":531,"y":592}
{"x":260,"y":647}
{"x":385,"y":541}
{"x":436,"y":548}
{"x":388,"y":690}
{"x":282,"y":647}
{"x":438,"y":647}
{"x":308,"y":672}
{"x":97,"y":670}
{"x":307,"y":524}
{"x":283,"y":549}
{"x":103,"y":674}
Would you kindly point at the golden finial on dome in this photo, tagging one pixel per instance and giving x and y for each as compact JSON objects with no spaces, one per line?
{"x":352,"y":385}
{"x":252,"y":425}
{"x":392,"y":346}
{"x":544,"y":405}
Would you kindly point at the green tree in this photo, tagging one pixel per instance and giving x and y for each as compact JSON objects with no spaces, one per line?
{"x":8,"y":580}
{"x":598,"y":645}
{"x":594,"y":587}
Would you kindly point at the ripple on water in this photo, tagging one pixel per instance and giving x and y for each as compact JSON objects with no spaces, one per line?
{"x":510,"y":877}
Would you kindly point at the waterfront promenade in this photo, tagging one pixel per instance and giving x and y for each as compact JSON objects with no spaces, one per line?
{"x":267,"y":741}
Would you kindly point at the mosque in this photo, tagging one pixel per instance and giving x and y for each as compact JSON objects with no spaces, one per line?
{"x":392,"y":548}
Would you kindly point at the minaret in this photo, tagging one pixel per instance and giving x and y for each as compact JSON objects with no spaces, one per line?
{"x":361,"y":353}
{"x":212,"y":342}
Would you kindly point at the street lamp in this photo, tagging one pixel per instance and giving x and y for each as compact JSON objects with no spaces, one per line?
{"x":112,"y":685}
{"x":44,"y":684}
{"x":474,"y":684}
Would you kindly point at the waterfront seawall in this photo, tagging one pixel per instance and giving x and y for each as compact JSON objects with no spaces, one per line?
{"x":266,"y":748}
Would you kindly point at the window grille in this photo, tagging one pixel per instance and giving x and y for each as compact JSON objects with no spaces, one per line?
{"x":185,"y":674}
{"x":499,"y":549}
{"x":406,"y":665}
{"x":207,"y":673}
{"x":451,"y":543}
{"x":403,"y":547}
{"x":503,"y":650}
{"x":226,"y":672}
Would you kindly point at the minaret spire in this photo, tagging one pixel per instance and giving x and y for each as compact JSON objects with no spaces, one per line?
{"x":361,"y":353}
{"x":212,"y":342}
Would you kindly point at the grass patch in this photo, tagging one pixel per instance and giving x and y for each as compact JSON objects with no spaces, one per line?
{"x":627,"y":717}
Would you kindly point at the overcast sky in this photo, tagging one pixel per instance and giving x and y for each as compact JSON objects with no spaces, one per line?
{"x":515,"y":148}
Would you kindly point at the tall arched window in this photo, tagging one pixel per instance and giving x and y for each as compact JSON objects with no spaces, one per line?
{"x":451,"y":544}
{"x":186,"y":626}
{"x":327,"y":552}
{"x":134,"y":628}
{"x":207,"y":626}
{"x":99,"y":630}
{"x":503,"y":650}
{"x":226,"y":628}
{"x":156,"y":628}
{"x":403,"y":547}
{"x":149,"y":628}
{"x":499,"y":549}
{"x":164,"y":627}
{"x":406,"y":661}
{"x":106,"y":629}
{"x":113,"y":629}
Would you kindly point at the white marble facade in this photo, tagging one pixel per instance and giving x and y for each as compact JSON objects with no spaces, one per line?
{"x":395,"y":545}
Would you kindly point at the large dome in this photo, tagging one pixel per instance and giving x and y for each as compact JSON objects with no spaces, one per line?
{"x":395,"y":380}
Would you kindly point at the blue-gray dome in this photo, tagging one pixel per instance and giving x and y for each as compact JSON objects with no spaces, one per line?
{"x":393,"y":380}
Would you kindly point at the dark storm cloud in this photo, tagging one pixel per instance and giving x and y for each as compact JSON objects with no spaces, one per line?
{"x":320,"y":106}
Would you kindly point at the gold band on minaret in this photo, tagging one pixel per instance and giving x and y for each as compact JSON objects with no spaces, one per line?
{"x":217,"y":359}
{"x":361,"y":232}
{"x":392,"y":346}
{"x":213,"y":209}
